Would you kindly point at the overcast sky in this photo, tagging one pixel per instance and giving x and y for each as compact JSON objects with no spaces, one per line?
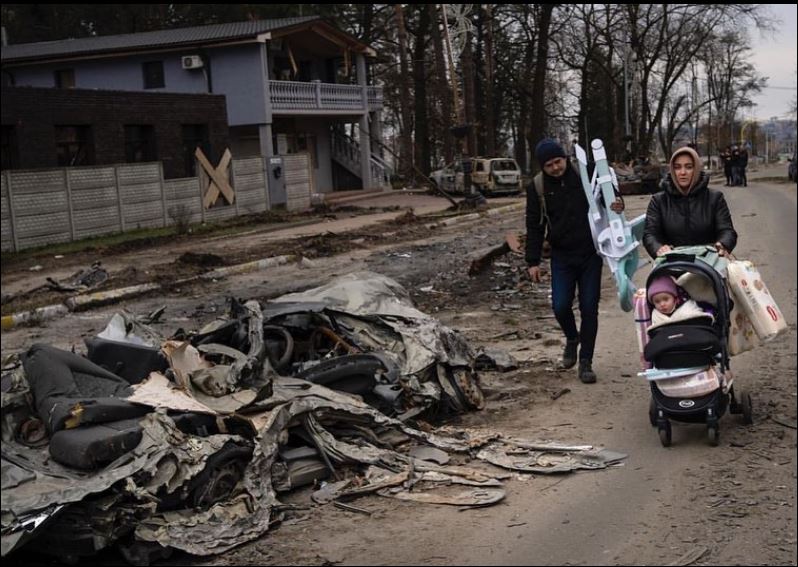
{"x":776,"y":56}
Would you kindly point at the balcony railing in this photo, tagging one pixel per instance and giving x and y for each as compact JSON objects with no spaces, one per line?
{"x":294,"y":96}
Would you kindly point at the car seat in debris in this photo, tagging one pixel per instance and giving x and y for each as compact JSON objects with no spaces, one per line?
{"x":91,"y":447}
{"x":127,"y":360}
{"x":69,"y":390}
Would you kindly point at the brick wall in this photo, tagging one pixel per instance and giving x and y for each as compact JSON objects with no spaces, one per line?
{"x":34,"y":113}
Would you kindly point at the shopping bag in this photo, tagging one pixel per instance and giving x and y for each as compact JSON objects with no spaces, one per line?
{"x":751,"y":293}
{"x":742,"y":336}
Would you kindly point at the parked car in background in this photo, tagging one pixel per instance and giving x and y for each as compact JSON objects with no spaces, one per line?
{"x":490,"y":176}
{"x":449,"y":178}
{"x":494,"y":176}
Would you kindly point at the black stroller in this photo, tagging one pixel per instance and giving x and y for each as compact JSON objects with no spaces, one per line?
{"x":691,"y":344}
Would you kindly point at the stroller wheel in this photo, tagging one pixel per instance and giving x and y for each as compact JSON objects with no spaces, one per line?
{"x":747,"y":406}
{"x":665,"y":433}
{"x":713,"y":435}
{"x":652,"y":412}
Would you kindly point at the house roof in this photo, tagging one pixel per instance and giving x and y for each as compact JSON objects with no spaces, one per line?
{"x":180,"y":37}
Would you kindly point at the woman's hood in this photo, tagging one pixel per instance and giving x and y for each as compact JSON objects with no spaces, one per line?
{"x":697,"y":167}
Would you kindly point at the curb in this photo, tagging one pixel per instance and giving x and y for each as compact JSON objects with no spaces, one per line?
{"x":84,"y":302}
{"x":476,"y":216}
{"x":38,"y":314}
{"x":253,"y":266}
{"x":89,"y":301}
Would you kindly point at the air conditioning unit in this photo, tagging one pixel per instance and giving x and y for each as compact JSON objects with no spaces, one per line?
{"x":192,"y":62}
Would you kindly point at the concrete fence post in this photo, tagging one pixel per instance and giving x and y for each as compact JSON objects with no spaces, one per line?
{"x":264,"y":168}
{"x":119,"y":207}
{"x":163,"y":192}
{"x":68,"y":185}
{"x":232,"y":178}
{"x":12,"y":215}
{"x":200,"y":179}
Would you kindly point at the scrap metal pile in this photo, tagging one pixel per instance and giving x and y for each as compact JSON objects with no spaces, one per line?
{"x":151,"y":443}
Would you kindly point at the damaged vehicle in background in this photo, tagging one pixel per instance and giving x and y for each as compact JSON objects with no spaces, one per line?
{"x":490,"y":176}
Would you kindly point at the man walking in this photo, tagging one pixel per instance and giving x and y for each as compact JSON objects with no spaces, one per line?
{"x":574,"y":261}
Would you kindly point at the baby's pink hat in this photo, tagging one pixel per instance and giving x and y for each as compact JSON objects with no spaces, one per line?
{"x":663,"y":284}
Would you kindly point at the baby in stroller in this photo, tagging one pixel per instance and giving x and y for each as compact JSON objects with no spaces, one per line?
{"x":690,"y":377}
{"x":671,"y":303}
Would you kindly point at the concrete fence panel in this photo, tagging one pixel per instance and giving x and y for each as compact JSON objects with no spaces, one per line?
{"x":39,"y":202}
{"x":50,"y":206}
{"x":140,"y":192}
{"x":94,"y":199}
{"x":250,"y":181}
{"x":297,"y":181}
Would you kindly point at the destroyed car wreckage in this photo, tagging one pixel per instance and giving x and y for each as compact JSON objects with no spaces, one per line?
{"x":151,"y":443}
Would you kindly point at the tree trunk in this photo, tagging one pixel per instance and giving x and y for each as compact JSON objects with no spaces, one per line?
{"x":538,"y":108}
{"x":422,"y":137}
{"x":442,"y":86}
{"x":490,"y":109}
{"x":467,"y":59}
{"x":406,"y":123}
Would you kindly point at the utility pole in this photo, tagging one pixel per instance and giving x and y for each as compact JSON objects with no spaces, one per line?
{"x":460,"y":131}
{"x":627,"y":50}
{"x":457,"y":106}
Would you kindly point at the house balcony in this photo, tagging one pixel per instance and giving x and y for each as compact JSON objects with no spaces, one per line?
{"x":293,"y":97}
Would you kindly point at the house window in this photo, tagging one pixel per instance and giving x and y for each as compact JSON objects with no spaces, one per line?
{"x":10,"y":148}
{"x":153,"y":74}
{"x":64,"y":78}
{"x":195,"y":136}
{"x":139,"y":143}
{"x":73,"y":145}
{"x":8,"y":79}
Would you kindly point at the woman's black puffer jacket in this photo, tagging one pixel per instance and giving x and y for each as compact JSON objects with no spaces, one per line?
{"x":700,"y":217}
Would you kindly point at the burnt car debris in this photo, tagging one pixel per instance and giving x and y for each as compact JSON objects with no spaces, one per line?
{"x":152,"y":443}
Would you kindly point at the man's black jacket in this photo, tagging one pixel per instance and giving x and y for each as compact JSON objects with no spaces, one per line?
{"x":700,"y":217}
{"x":567,"y":209}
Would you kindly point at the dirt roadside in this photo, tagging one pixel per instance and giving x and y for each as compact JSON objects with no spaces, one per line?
{"x":733,"y":504}
{"x":337,"y":229}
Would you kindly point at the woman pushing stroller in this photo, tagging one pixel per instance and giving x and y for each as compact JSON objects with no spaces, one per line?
{"x":687,"y":212}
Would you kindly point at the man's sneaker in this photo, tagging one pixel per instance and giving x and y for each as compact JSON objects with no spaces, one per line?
{"x":586,"y":374}
{"x":569,"y":354}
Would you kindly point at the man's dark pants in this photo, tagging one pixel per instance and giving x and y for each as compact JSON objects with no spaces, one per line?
{"x":568,"y":273}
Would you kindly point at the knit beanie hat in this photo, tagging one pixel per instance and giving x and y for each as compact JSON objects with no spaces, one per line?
{"x":663,"y":284}
{"x":548,"y":149}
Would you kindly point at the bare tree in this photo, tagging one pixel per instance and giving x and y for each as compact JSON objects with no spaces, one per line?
{"x":467,"y":61}
{"x":422,"y":137}
{"x":489,"y":108}
{"x":537,"y":108}
{"x":406,"y":122}
{"x":731,"y":79}
{"x":443,"y":92}
{"x":665,"y":39}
